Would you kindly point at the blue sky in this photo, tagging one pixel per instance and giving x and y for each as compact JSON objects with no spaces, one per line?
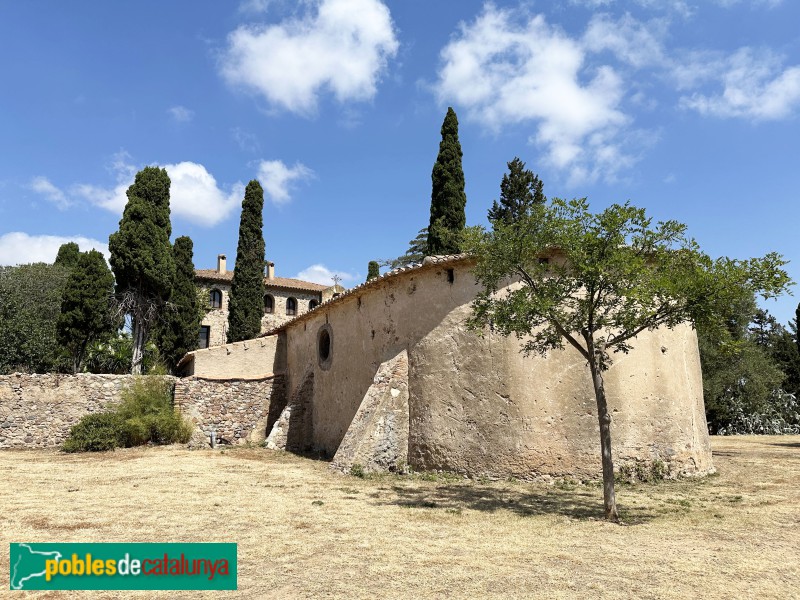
{"x":690,"y":109}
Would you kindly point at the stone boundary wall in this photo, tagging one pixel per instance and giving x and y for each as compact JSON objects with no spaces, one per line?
{"x":37,"y":411}
{"x":238,"y":410}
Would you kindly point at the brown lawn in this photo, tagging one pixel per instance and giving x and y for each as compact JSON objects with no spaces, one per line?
{"x":306,"y":532}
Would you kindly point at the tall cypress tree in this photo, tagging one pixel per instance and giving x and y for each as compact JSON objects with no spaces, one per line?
{"x":178,"y":330}
{"x":246,"y":304}
{"x":86,"y":312}
{"x":520,"y":191}
{"x":373,"y":270}
{"x":448,"y":200}
{"x":141,"y":256}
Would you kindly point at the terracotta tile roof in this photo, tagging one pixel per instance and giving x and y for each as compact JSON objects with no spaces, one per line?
{"x":427,"y":263}
{"x":281,"y":282}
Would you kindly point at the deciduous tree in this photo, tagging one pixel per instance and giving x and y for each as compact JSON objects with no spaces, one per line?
{"x":609,"y":277}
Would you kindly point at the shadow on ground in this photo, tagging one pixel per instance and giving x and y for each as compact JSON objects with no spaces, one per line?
{"x":574,"y":503}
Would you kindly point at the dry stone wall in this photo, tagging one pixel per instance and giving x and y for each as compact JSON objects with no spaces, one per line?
{"x":237,"y":410}
{"x":37,"y":411}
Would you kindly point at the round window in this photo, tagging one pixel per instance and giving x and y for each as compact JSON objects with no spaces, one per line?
{"x":324,"y":346}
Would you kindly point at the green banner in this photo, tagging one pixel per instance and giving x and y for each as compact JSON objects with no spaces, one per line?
{"x":115,"y":566}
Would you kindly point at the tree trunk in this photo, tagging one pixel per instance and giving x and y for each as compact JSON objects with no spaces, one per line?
{"x":609,"y":498}
{"x":138,"y":346}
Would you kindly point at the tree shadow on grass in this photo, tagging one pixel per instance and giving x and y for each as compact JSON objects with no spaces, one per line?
{"x":585,"y":504}
{"x":786,"y":444}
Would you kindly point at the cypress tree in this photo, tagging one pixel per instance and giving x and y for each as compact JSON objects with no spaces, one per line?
{"x":86,"y":312}
{"x":141,"y":256}
{"x":68,"y":255}
{"x":448,"y":200}
{"x":373,"y":270}
{"x":178,"y":330}
{"x":520,"y":190}
{"x":246,"y":304}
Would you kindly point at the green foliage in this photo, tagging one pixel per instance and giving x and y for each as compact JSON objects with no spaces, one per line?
{"x":68,"y":255}
{"x":610,"y":276}
{"x":417,"y":250}
{"x":246,"y":303}
{"x":113,"y":356}
{"x":595,"y":281}
{"x":780,"y":415}
{"x":176,"y":333}
{"x":373,"y":270}
{"x":95,"y":433}
{"x":144,"y":415}
{"x":520,"y":190}
{"x":448,"y":199}
{"x":141,"y":255}
{"x":357,"y":470}
{"x":30,"y":307}
{"x":86,"y":311}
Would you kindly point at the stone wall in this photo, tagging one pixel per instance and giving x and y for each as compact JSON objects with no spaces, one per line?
{"x":238,"y":410}
{"x":37,"y":411}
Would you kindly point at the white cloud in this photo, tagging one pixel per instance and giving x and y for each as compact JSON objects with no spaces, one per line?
{"x":324,"y":276}
{"x":277,"y":179}
{"x":507,"y":68}
{"x":43,"y":186}
{"x":18,"y":248}
{"x":194,"y":193}
{"x":181,"y":114}
{"x":339,"y":45}
{"x":755,"y":85}
{"x":631,"y":41}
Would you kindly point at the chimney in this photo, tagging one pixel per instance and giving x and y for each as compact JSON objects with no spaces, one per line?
{"x":221,"y":269}
{"x":270,"y":270}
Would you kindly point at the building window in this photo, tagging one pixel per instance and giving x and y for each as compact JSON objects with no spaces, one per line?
{"x":325,"y":346}
{"x":312,"y":304}
{"x":269,"y":304}
{"x":451,"y":275}
{"x":215,"y":299}
{"x":205,"y":336}
{"x":291,"y":306}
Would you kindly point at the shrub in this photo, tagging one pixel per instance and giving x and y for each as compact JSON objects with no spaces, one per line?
{"x":95,"y":433}
{"x":144,"y":415}
{"x":780,"y":416}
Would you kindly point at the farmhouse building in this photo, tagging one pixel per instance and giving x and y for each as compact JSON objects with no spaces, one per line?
{"x":284,"y":299}
{"x":387,"y":374}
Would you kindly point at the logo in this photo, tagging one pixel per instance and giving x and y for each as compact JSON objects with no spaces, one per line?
{"x":122,"y":566}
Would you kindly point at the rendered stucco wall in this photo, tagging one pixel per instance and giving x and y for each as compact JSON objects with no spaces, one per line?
{"x":251,"y":359}
{"x":476,"y":404}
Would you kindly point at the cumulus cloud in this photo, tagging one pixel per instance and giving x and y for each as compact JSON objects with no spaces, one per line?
{"x":754,"y":85}
{"x":507,"y":68}
{"x":18,"y":248}
{"x":324,"y":276}
{"x":194,"y":193}
{"x":43,"y":186}
{"x":277,"y":179}
{"x":341,"y":46}
{"x":181,"y":114}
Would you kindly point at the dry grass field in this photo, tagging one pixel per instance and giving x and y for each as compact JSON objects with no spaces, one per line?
{"x":306,"y":532}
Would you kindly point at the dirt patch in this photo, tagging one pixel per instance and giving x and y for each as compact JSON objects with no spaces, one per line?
{"x":305,"y":531}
